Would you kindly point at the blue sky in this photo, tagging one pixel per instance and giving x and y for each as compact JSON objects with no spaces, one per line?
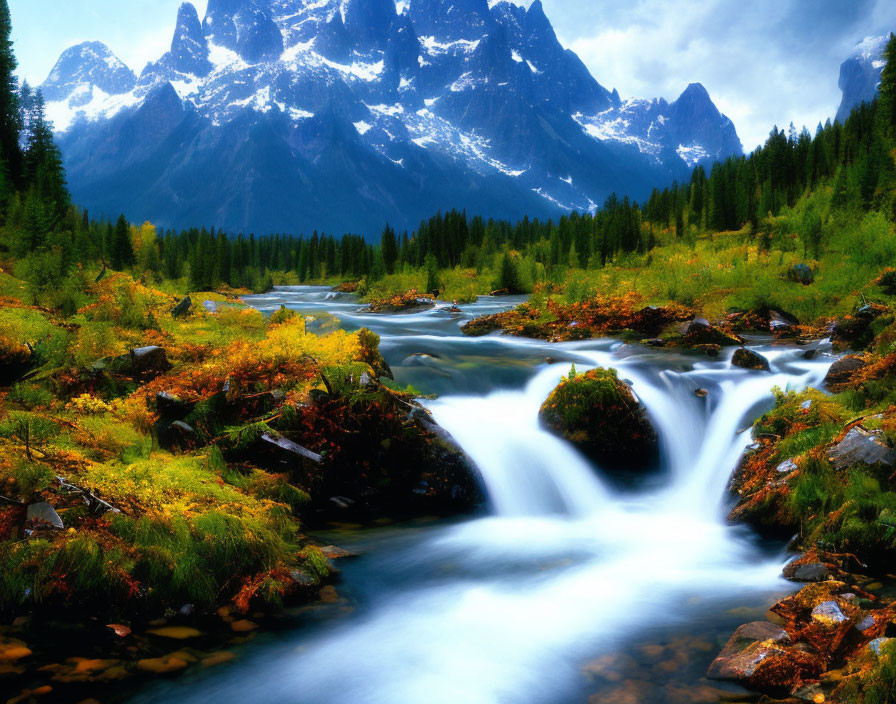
{"x":764,"y":62}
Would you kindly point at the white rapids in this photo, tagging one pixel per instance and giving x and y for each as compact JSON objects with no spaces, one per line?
{"x":505,"y":608}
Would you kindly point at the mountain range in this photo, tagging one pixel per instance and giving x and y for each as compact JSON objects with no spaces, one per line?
{"x":341,"y":115}
{"x":860,"y":74}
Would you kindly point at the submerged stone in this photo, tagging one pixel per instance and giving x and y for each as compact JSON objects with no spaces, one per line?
{"x":760,"y":656}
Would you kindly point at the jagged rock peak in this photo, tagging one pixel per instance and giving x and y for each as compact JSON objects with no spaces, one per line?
{"x":87,"y":65}
{"x":189,"y":49}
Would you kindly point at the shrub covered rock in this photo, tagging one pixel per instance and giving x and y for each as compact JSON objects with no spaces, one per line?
{"x":600,"y":415}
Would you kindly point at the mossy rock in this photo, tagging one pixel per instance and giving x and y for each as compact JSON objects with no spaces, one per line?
{"x":748,"y":359}
{"x":700,"y":332}
{"x":600,"y":415}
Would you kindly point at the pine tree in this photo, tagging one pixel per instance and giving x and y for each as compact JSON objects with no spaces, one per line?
{"x":508,"y":278}
{"x":887,"y":101}
{"x":433,"y":285}
{"x":10,"y":120}
{"x":389,"y":249}
{"x":122,"y":254}
{"x":43,"y":162}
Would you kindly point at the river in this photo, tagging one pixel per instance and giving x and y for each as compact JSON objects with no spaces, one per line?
{"x":571,"y":588}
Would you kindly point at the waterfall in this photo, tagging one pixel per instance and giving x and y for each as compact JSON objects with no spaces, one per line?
{"x":527,"y":471}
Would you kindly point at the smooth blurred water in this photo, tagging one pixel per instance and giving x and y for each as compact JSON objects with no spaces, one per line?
{"x":507,"y":608}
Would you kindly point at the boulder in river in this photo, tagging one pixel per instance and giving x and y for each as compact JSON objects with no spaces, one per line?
{"x":599,"y":414}
{"x":843,"y":369}
{"x":782,"y":324}
{"x":856,"y":331}
{"x":807,"y":568}
{"x":760,"y":656}
{"x":700,"y":332}
{"x":748,"y":359}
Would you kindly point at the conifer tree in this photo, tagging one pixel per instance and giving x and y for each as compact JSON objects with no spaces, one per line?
{"x":389,"y":249}
{"x":43,"y":168}
{"x":887,"y":101}
{"x":122,"y":254}
{"x":433,"y":285}
{"x":10,"y":119}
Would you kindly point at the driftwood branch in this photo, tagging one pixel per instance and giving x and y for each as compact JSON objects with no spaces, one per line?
{"x":94,"y":503}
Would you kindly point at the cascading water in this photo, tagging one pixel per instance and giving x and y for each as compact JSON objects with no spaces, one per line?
{"x":506,"y":608}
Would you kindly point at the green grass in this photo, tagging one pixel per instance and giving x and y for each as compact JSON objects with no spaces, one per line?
{"x":805,"y":440}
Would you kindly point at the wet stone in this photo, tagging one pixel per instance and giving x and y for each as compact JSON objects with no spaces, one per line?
{"x":806,"y":572}
{"x":176,"y":632}
{"x":828,"y":613}
{"x":786,"y":467}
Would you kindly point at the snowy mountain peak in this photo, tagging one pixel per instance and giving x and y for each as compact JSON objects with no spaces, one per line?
{"x":85,"y":66}
{"x":396,"y":109}
{"x":860,"y":74}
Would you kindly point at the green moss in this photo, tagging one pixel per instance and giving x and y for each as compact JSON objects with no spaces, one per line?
{"x":575,"y":399}
{"x":845,"y":512}
{"x":27,"y":326}
{"x":30,"y":396}
{"x":598,"y":413}
{"x":816,"y":491}
{"x":794,"y":412}
{"x":877,"y":685}
{"x":282,"y":315}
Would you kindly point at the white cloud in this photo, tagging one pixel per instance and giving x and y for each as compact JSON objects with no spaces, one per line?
{"x":764,"y":63}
